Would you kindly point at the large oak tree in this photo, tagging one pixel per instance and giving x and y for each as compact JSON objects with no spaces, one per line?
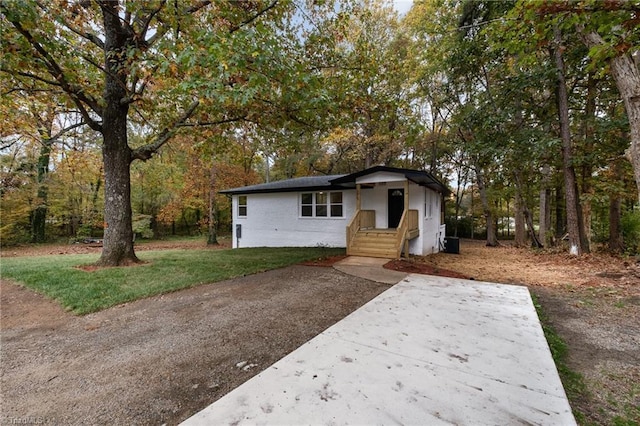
{"x":153,"y":68}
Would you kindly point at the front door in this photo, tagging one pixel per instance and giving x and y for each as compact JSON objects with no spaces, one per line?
{"x":396,"y":207}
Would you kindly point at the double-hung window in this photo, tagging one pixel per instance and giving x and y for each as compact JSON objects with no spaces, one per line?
{"x":431,"y":204}
{"x":321,"y":204}
{"x":242,"y":206}
{"x":335,"y":200}
{"x":428,"y":204}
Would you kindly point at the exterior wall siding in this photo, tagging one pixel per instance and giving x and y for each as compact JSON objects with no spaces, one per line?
{"x":431,"y":232}
{"x":274,"y":220}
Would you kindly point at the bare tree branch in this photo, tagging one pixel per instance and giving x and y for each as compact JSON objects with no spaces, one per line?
{"x":196,"y":7}
{"x":86,"y":35}
{"x":8,"y":144}
{"x":145,"y":152}
{"x":30,"y":75}
{"x":160,"y":32}
{"x":67,"y":130}
{"x":147,"y":21}
{"x":254,"y":17}
{"x":213,"y":123}
{"x":26,"y":89}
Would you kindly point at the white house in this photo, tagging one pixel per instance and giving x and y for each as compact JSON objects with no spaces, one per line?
{"x":379,"y":212}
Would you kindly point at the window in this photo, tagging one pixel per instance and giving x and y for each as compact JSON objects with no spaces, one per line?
{"x":321,"y":204}
{"x":242,"y":206}
{"x":428,"y":205}
{"x":336,"y":204}
{"x":307,"y":205}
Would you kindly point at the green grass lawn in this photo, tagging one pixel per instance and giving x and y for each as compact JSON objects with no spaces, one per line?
{"x":82,"y":292}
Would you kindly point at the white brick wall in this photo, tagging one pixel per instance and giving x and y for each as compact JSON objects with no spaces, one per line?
{"x":273,"y":220}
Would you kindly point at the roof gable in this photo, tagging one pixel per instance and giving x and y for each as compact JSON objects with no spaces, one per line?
{"x":419,"y":177}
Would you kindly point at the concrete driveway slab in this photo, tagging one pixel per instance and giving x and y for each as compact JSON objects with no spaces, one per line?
{"x":429,"y":350}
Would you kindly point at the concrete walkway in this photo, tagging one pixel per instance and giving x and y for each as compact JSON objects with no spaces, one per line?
{"x":369,"y":268}
{"x":428,"y":351}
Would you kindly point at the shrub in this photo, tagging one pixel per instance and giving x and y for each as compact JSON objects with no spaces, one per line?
{"x":141,"y":225}
{"x":631,"y":232}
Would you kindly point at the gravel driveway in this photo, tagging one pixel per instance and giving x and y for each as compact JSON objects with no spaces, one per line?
{"x":161,"y":359}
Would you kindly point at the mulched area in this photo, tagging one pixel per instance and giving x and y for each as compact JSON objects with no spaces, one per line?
{"x":400,"y":265}
{"x":327,"y":261}
{"x":410,"y":267}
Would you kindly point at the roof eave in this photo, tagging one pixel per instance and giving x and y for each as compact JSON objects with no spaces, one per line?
{"x":239,"y":191}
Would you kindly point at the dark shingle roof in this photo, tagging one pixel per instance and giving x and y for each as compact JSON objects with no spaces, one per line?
{"x":290,"y":185}
{"x":320,"y":183}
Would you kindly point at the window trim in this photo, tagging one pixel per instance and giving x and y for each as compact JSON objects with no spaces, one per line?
{"x":314,"y":205}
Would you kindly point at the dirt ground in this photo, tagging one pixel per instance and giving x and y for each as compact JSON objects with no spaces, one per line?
{"x":161,"y":359}
{"x":81,"y":248}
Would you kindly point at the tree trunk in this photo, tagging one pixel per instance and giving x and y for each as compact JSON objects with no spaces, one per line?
{"x":585,"y":243}
{"x":520,"y":233}
{"x":458,"y":199}
{"x":560,"y":222}
{"x":616,"y":238}
{"x":94,"y":200}
{"x":545,"y":207}
{"x":627,"y":77}
{"x":587,"y":162}
{"x":118,"y":233}
{"x":39,"y":215}
{"x":213,"y":235}
{"x":461,"y":183}
{"x":39,"y":220}
{"x":492,"y":239}
{"x":571,"y":196}
{"x":616,"y":242}
{"x":116,"y":154}
{"x":473,"y":220}
{"x":528,"y":217}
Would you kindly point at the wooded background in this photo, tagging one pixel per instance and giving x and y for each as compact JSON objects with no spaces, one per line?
{"x":529,"y":110}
